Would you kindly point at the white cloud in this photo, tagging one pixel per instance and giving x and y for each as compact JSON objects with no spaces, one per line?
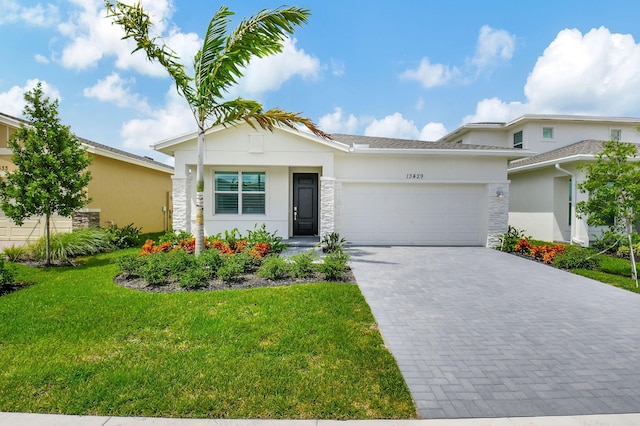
{"x":12,"y":101}
{"x":41,"y":59}
{"x":396,"y":126}
{"x":116,"y":90}
{"x":591,"y":74}
{"x":494,"y":109}
{"x":269,"y":73}
{"x":173,"y":119}
{"x":431,"y":75}
{"x":337,"y":68}
{"x":433,"y":132}
{"x":393,"y":126}
{"x":92,"y":37}
{"x":493,"y":45}
{"x":336,"y":122}
{"x":594,"y":73}
{"x":38,"y":15}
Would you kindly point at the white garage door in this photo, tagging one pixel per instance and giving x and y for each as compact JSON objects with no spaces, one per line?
{"x":414,"y":214}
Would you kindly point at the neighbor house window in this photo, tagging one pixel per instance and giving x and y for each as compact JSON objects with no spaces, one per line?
{"x":517,"y":140}
{"x":239,"y":192}
{"x":547,"y":133}
{"x":616,"y":134}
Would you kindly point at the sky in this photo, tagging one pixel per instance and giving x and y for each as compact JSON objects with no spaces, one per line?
{"x":414,"y":69}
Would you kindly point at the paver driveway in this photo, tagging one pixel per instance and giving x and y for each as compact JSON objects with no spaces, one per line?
{"x":480,"y":333}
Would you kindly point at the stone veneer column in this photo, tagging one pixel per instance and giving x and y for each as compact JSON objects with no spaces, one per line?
{"x":181,"y":204}
{"x":327,"y":205}
{"x":86,"y":218}
{"x":498,"y":212}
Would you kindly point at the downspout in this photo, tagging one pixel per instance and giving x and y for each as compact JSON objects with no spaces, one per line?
{"x":574,"y":199}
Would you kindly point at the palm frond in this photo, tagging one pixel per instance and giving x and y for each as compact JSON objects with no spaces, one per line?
{"x":251,"y":112}
{"x":137,"y":25}
{"x":261,"y":35}
{"x":213,"y":46}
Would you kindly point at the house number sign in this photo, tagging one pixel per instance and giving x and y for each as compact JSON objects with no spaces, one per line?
{"x":413,"y":176}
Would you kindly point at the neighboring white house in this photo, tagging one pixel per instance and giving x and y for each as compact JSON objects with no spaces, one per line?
{"x":371,"y":190}
{"x":543,"y":193}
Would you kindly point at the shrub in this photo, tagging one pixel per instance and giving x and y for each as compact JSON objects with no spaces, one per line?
{"x":302,"y":264}
{"x":511,"y":238}
{"x":260,"y":235}
{"x":6,"y":274}
{"x":178,"y":262}
{"x":174,"y":237}
{"x":154,"y":268}
{"x":332,"y":243}
{"x":130,"y":264}
{"x":14,"y":253}
{"x":334,"y":265}
{"x":210,"y":261}
{"x":125,"y":237}
{"x":609,"y":241}
{"x":65,"y":246}
{"x":232,"y":268}
{"x":274,"y":268}
{"x":194,"y":278}
{"x":576,"y":258}
{"x":623,"y":251}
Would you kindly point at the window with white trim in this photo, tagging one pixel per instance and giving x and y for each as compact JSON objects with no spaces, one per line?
{"x":547,"y":133}
{"x":239,"y":192}
{"x":615,"y":134}
{"x":517,"y":140}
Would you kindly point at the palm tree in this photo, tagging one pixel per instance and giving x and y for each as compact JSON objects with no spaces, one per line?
{"x":217,"y":66}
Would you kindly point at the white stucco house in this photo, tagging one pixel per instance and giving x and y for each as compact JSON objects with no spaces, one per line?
{"x":371,"y":190}
{"x":543,"y":193}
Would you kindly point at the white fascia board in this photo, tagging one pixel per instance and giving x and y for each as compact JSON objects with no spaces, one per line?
{"x":447,"y":152}
{"x":167,"y":143}
{"x":125,"y":158}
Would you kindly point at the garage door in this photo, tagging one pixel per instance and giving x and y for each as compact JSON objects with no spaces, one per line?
{"x":414,"y":214}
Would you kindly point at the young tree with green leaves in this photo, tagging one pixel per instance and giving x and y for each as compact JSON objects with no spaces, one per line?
{"x":50,"y":175}
{"x":217,"y":67}
{"x":613,"y":184}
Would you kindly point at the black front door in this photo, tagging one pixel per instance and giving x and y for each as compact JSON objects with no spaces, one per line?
{"x":305,"y":204}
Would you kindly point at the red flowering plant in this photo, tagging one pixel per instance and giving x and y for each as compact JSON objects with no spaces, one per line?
{"x":523,"y":246}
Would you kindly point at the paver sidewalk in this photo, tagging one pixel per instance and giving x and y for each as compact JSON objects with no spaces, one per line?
{"x":479,"y":333}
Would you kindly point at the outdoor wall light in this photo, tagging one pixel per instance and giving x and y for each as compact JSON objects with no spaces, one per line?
{"x":500,"y":193}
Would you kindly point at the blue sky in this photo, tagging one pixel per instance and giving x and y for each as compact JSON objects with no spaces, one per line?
{"x":409,"y":69}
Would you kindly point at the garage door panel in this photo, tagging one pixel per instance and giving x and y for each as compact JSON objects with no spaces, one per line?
{"x":413,"y":214}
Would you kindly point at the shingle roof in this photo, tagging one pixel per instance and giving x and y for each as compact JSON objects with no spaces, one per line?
{"x":148,"y":160}
{"x":391,"y":143}
{"x":586,"y":147}
{"x":100,"y":146}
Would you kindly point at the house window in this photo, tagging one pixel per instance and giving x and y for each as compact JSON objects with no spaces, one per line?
{"x":237,"y":192}
{"x":616,"y":134}
{"x":517,"y":140}
{"x":547,"y":133}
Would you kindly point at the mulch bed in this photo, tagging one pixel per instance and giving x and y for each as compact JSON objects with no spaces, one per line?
{"x":243,"y":282}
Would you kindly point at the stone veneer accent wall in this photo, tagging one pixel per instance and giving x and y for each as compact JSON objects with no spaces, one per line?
{"x":498,"y":212}
{"x":181,"y":204}
{"x":86,"y":218}
{"x":327,"y":205}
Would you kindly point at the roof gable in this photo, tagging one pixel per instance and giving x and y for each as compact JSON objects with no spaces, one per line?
{"x":100,"y":149}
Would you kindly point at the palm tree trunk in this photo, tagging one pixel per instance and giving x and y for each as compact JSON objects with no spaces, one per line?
{"x":199,"y":228}
{"x":47,"y":234}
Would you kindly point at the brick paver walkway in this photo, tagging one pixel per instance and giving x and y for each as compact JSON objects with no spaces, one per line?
{"x":479,"y":333}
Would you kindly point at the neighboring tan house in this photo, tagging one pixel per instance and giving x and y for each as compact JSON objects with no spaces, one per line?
{"x":543,"y":193}
{"x":124,"y":189}
{"x":371,"y":190}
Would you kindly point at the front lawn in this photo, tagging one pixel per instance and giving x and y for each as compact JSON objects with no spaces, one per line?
{"x":76,"y":343}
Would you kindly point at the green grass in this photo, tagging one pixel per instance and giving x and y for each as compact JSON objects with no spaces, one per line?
{"x":75,"y":343}
{"x":612,"y":270}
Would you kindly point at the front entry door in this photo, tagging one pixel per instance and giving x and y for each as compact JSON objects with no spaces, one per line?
{"x":305,"y":204}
